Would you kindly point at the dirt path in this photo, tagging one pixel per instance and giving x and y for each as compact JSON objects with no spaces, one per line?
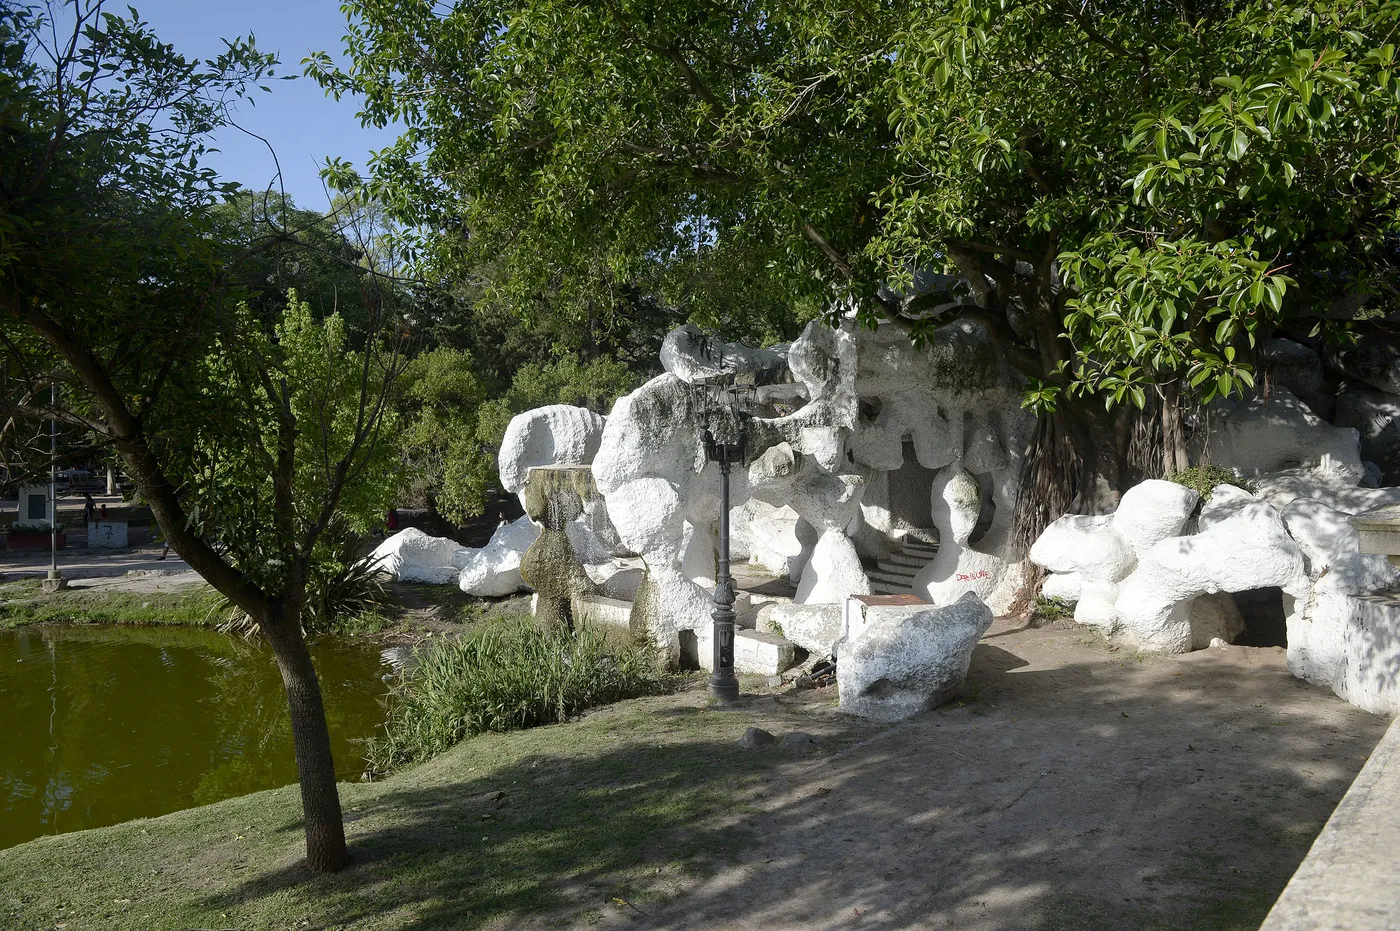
{"x":1078,"y":788}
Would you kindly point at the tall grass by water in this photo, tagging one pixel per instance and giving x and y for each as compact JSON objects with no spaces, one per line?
{"x":505,"y":677}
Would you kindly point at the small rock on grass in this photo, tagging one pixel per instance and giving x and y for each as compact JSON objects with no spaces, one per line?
{"x":757,"y":737}
{"x":798,"y":740}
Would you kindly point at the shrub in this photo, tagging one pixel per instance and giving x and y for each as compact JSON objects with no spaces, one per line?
{"x":1046,"y":610}
{"x":507,"y":676}
{"x":1203,"y":478}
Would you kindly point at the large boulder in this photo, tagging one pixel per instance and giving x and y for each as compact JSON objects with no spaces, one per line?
{"x":1152,"y":511}
{"x":1085,"y":545}
{"x":413,"y":556}
{"x":904,"y":663}
{"x":1376,"y":416}
{"x":555,"y":435}
{"x":1249,"y":550}
{"x":692,"y":355}
{"x":1264,"y":435}
{"x":494,"y":569}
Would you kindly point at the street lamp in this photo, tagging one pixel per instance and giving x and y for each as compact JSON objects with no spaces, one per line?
{"x":725,"y":444}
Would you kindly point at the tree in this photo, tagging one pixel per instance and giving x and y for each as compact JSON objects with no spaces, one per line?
{"x":248,"y":433}
{"x":1133,"y":194}
{"x":453,"y":431}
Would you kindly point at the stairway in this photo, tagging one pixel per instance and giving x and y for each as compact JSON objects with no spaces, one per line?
{"x":895,"y":575}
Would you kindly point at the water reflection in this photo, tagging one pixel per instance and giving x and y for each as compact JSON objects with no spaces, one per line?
{"x":105,"y":724}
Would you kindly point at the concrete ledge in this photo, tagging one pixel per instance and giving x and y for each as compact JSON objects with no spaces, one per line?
{"x":1350,"y":880}
{"x":603,"y":610}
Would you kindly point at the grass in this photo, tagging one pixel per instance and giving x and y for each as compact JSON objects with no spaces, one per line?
{"x":1047,"y":610}
{"x":507,"y":676}
{"x":1204,"y":478}
{"x":23,"y":603}
{"x":632,"y":803}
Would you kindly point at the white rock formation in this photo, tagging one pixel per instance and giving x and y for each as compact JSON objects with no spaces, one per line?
{"x":1280,"y":433}
{"x":693,"y":356}
{"x":555,"y":435}
{"x":864,"y":395}
{"x":494,"y":569}
{"x":904,"y":663}
{"x":1246,"y":551}
{"x":813,"y":627}
{"x":1376,"y":416}
{"x":413,"y":556}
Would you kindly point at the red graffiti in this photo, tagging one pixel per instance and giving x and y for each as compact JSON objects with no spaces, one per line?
{"x":981,"y":574}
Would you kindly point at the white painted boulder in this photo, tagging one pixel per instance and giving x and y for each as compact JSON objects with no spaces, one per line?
{"x":413,"y":556}
{"x":1248,"y":550}
{"x":558,"y":434}
{"x":1280,"y":433}
{"x":692,"y":355}
{"x":904,"y":663}
{"x":494,"y":570}
{"x":1152,"y":511}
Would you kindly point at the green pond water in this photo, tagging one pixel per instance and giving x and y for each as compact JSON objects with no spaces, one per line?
{"x":104,"y":724}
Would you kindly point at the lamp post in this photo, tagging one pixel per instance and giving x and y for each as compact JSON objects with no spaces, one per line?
{"x":725,"y":445}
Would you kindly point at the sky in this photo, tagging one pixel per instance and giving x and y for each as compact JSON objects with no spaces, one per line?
{"x":297,"y":118}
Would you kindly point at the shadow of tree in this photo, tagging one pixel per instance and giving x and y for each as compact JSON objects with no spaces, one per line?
{"x":1107,"y":794}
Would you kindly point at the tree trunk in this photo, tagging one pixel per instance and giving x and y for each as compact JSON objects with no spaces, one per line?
{"x":320,"y":800}
{"x":1174,"y":458}
{"x":1080,"y":460}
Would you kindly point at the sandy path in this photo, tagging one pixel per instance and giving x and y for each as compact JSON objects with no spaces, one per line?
{"x":1081,"y":788}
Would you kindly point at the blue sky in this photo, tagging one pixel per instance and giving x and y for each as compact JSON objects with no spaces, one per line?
{"x":302,"y":123}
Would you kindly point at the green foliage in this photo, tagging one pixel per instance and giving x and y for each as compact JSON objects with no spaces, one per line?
{"x":1202,"y":479}
{"x":343,"y":589}
{"x":285,"y":402}
{"x":454,"y":432}
{"x":505,"y":677}
{"x":1136,"y":193}
{"x":1050,"y":609}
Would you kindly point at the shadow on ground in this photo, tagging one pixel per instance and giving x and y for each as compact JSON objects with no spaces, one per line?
{"x":1072,"y":788}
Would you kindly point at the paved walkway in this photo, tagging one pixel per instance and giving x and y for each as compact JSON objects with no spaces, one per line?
{"x":78,"y":563}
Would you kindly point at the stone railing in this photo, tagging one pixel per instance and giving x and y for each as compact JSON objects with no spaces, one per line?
{"x":1350,"y":880}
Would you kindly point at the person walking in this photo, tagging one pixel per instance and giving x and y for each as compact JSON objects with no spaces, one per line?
{"x":89,"y":508}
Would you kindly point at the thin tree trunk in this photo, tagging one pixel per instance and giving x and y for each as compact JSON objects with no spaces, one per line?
{"x":320,"y":800}
{"x":1174,"y":458}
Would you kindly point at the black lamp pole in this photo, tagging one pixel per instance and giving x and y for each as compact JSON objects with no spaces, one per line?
{"x":724,"y":684}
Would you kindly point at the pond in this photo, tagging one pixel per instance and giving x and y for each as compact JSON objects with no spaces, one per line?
{"x":106,"y":724}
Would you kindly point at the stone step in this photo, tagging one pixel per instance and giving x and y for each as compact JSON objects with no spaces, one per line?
{"x":910,"y":547}
{"x":885,"y":588}
{"x":892,"y":578}
{"x":756,"y":652}
{"x":890,"y":568}
{"x":918,"y":561}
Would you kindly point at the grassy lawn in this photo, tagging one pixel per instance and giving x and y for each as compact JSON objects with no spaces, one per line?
{"x":616,"y":811}
{"x":23,"y":603}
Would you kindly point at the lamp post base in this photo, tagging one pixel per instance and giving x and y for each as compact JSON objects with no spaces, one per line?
{"x":724,"y":689}
{"x":54,"y":582}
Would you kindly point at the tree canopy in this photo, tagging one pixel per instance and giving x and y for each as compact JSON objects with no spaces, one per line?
{"x":253,"y":430}
{"x":1134,"y":193}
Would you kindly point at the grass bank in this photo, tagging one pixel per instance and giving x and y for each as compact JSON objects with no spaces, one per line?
{"x":23,"y":603}
{"x":609,"y":814}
